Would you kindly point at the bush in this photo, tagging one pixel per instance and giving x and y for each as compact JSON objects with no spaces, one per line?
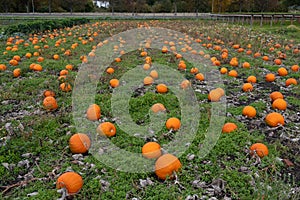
{"x":40,"y":26}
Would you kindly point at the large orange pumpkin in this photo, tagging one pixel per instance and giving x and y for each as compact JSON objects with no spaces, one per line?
{"x":79,"y":143}
{"x":166,"y":165}
{"x":71,"y":181}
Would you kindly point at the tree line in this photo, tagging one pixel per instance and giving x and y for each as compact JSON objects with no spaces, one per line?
{"x":138,"y":6}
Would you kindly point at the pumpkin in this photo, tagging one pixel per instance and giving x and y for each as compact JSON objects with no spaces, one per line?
{"x":249,"y":111}
{"x":233,"y":73}
{"x":37,"y":67}
{"x":28,"y":55}
{"x":223,"y":70}
{"x":194,"y":70}
{"x":279,"y":104}
{"x":154,"y":74}
{"x":118,"y":59}
{"x":106,"y":128}
{"x":200,"y":77}
{"x":40,"y":59}
{"x":173,"y":123}
{"x":48,"y":93}
{"x":17,"y":58}
{"x":148,"y":80}
{"x":291,"y":81}
{"x":164,"y":49}
{"x":282,"y":71}
{"x":146,"y":66}
{"x":295,"y":68}
{"x":229,"y":127}
{"x":246,"y":65}
{"x":181,"y":65}
{"x":3,"y":67}
{"x":185,"y":84}
{"x":143,"y":53}
{"x":148,"y":60}
{"x":166,"y":165}
{"x":50,"y":103}
{"x":161,"y":88}
{"x":247,"y":87}
{"x":56,"y":57}
{"x":110,"y":70}
{"x":17,"y":72}
{"x":214,"y":95}
{"x":274,"y":119}
{"x":71,"y":181}
{"x":251,"y":79}
{"x":65,"y":87}
{"x":93,"y":112}
{"x":277,"y":61}
{"x":63,"y":72}
{"x":79,"y":143}
{"x":151,"y":150}
{"x":276,"y":95}
{"x":270,"y":77}
{"x":259,"y":149}
{"x":158,"y":107}
{"x":265,"y":58}
{"x":69,"y":67}
{"x":114,"y":83}
{"x":13,"y":62}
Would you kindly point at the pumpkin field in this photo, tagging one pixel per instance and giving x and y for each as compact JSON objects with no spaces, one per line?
{"x":194,"y":109}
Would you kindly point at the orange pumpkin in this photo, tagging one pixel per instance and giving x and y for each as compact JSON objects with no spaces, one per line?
{"x":259,"y":149}
{"x":50,"y":103}
{"x":276,"y":95}
{"x":158,"y":107}
{"x":247,"y":87}
{"x":151,"y":150}
{"x":270,"y":77}
{"x":3,"y":67}
{"x":56,"y":57}
{"x":277,"y":61}
{"x":194,"y":70}
{"x":233,"y":73}
{"x":146,"y":66}
{"x":166,"y":165}
{"x":291,"y":81}
{"x":69,"y":67}
{"x":223,"y":70}
{"x":154,"y":74}
{"x":63,"y":72}
{"x":17,"y":72}
{"x":79,"y":143}
{"x":274,"y":119}
{"x":282,"y":71}
{"x":279,"y":104}
{"x":185,"y":84}
{"x":200,"y":77}
{"x":295,"y":68}
{"x":65,"y":87}
{"x":229,"y":127}
{"x":93,"y":112}
{"x":251,"y":79}
{"x":148,"y":80}
{"x":246,"y":65}
{"x":249,"y":111}
{"x":110,"y":70}
{"x":114,"y":83}
{"x":48,"y":93}
{"x":173,"y":123}
{"x":106,"y":128}
{"x":71,"y":181}
{"x":161,"y":88}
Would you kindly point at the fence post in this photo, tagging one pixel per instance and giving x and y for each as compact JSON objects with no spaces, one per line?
{"x":251,"y":21}
{"x":261,"y":19}
{"x":271,"y":22}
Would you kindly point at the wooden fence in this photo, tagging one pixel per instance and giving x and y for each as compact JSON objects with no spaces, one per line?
{"x":230,"y":18}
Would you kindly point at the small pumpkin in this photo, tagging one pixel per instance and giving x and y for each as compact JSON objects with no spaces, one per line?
{"x":63,"y":72}
{"x":247,"y":87}
{"x":229,"y":127}
{"x":154,"y":74}
{"x":200,"y":77}
{"x":3,"y":67}
{"x":37,"y":67}
{"x":277,"y":61}
{"x":106,"y":128}
{"x":17,"y":72}
{"x":114,"y":83}
{"x":161,"y":88}
{"x":270,"y":77}
{"x":148,"y":80}
{"x":259,"y":149}
{"x":181,"y":65}
{"x":56,"y":57}
{"x":223,"y":70}
{"x":295,"y":68}
{"x":291,"y":81}
{"x":233,"y":73}
{"x":151,"y":150}
{"x":276,"y":95}
{"x":71,"y":181}
{"x":166,"y":165}
{"x":110,"y":70}
{"x":173,"y":123}
{"x":158,"y":107}
{"x":79,"y":143}
{"x":65,"y":87}
{"x":246,"y":65}
{"x":48,"y":93}
{"x":251,"y":79}
{"x":282,"y":71}
{"x":249,"y":111}
{"x":69,"y":67}
{"x":146,"y":66}
{"x":50,"y":103}
{"x":194,"y":70}
{"x":93,"y":112}
{"x":274,"y":119}
{"x":185,"y":84}
{"x":214,"y":95}
{"x":279,"y":104}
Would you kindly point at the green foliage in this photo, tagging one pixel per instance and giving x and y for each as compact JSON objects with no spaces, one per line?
{"x":43,"y":25}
